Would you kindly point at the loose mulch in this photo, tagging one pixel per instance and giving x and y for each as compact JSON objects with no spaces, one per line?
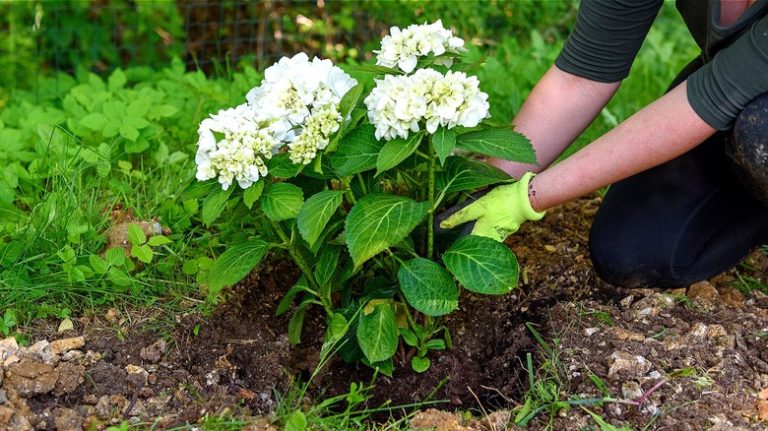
{"x":689,"y":359}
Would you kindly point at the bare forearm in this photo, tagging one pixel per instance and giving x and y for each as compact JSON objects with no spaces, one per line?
{"x":568,"y":104}
{"x":660,"y":132}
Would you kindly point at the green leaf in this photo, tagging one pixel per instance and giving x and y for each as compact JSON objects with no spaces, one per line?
{"x":409,"y":337}
{"x":98,"y":264}
{"x":136,"y":234}
{"x":296,"y":422}
{"x":395,"y":151}
{"x":463,"y":174}
{"x":214,"y":205}
{"x":281,"y":166}
{"x":379,"y":221}
{"x":482,"y":265}
{"x":296,"y":323}
{"x":129,"y":132}
{"x":443,"y":141}
{"x":282,"y":201}
{"x":316,"y":213}
{"x":235,"y":263}
{"x":420,"y":364}
{"x":337,"y":327}
{"x":139,"y":146}
{"x":115,"y":256}
{"x":116,"y":80}
{"x":142,"y":252}
{"x":104,"y":164}
{"x":253,"y":193}
{"x":119,"y":277}
{"x":285,"y":304}
{"x":349,"y":100}
{"x":95,"y":121}
{"x":139,"y":107}
{"x":357,"y":151}
{"x":136,"y":122}
{"x":372,"y":68}
{"x":428,"y":287}
{"x":503,"y":143}
{"x":159,"y":111}
{"x":377,"y":333}
{"x":159,"y":240}
{"x":327,"y":264}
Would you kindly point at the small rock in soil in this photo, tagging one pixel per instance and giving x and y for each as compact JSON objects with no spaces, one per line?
{"x":154,"y":352}
{"x":15,"y":420}
{"x":66,"y":344}
{"x":103,"y":408}
{"x":71,"y":376}
{"x":628,"y":365}
{"x":72,"y":355}
{"x":68,"y":420}
{"x":30,"y":378}
{"x":631,"y":390}
{"x":703,"y":293}
{"x":622,"y":334}
{"x":437,"y":420}
{"x":652,"y":305}
{"x":8,"y":347}
{"x":66,"y":325}
{"x":137,"y":376}
{"x":731,"y":296}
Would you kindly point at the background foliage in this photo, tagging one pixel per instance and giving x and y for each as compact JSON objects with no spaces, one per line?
{"x":99,"y":106}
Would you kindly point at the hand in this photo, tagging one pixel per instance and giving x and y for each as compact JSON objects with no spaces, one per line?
{"x":499,"y":213}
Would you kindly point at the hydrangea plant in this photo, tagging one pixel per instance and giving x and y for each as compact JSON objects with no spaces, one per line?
{"x":348,"y":185}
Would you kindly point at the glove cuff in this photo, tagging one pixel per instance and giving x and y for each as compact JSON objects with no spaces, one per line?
{"x":530,"y":213}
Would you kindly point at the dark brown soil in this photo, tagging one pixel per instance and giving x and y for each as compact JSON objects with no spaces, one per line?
{"x":710,"y":353}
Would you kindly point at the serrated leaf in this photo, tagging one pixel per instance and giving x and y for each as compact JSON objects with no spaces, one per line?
{"x":443,"y":141}
{"x":142,"y":252}
{"x":282,"y":201}
{"x":115,"y":256}
{"x":136,"y":234}
{"x":482,"y":265}
{"x":235,"y":263}
{"x":337,"y":327}
{"x":253,"y":193}
{"x":104,"y":164}
{"x":428,"y":287}
{"x":214,"y":205}
{"x":379,"y":221}
{"x":95,"y":121}
{"x":463,"y":174}
{"x":158,"y":240}
{"x":327,"y":264}
{"x":377,"y":333}
{"x":395,"y":151}
{"x":357,"y":151}
{"x":503,"y":143}
{"x":316,"y":213}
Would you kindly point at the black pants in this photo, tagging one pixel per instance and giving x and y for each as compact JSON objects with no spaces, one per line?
{"x":680,"y":222}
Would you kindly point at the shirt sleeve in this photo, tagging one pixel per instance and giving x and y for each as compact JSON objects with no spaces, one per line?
{"x":738,"y":74}
{"x":606,"y":38}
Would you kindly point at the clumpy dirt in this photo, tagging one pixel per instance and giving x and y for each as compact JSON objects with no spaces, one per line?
{"x":690,"y":359}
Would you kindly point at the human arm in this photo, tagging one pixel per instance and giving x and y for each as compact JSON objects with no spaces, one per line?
{"x":659,"y":132}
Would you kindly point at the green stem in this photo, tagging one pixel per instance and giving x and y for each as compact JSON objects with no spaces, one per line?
{"x":431,"y":191}
{"x":304,"y":266}
{"x":348,"y":191}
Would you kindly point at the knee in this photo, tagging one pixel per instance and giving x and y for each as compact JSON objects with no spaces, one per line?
{"x":619,"y":263}
{"x":748,"y":147}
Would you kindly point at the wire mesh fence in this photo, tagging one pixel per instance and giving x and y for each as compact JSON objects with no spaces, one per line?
{"x":216,"y":35}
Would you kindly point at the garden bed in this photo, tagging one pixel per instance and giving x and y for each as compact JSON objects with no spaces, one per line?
{"x":706,"y":353}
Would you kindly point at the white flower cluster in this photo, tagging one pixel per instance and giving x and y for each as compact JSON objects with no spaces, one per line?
{"x":402,"y":47}
{"x":296,"y":106}
{"x":399,"y":105}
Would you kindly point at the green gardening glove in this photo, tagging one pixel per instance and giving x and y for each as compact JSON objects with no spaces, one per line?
{"x":499,"y":213}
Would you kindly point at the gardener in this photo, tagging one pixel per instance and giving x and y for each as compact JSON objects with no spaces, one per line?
{"x":689,"y":171}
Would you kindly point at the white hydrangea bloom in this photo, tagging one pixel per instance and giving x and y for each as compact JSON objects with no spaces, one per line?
{"x":232,"y":146}
{"x":402,"y":47}
{"x":296,"y":106}
{"x":399,"y":105}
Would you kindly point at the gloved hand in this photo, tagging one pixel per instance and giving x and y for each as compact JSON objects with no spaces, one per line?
{"x":499,"y":213}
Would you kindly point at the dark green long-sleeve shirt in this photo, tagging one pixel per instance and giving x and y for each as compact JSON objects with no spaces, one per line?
{"x":734,"y":59}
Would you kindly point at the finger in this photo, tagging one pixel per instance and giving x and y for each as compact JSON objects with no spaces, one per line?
{"x":468,"y":213}
{"x":472,"y":198}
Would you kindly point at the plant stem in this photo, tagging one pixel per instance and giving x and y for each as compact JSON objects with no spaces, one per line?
{"x":304,"y":266}
{"x":431,"y":214}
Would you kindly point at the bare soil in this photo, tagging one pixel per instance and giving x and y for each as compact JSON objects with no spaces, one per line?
{"x":690,"y":359}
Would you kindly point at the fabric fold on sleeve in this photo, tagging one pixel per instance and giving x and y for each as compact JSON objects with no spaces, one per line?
{"x":606,"y":38}
{"x":721,"y":89}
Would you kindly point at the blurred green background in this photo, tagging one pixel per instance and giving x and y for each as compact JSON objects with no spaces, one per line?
{"x":100,"y":102}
